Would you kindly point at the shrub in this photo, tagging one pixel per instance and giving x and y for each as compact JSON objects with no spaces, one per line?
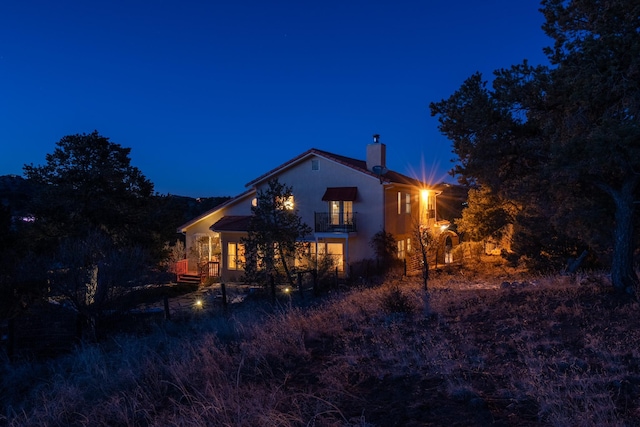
{"x":395,"y":301}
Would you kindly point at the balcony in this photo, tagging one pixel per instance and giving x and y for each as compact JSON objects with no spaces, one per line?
{"x":327,"y":223}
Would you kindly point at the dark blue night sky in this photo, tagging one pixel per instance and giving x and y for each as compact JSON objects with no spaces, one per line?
{"x":211,"y":94}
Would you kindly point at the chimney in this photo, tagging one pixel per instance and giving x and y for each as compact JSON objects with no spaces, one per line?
{"x":376,"y":155}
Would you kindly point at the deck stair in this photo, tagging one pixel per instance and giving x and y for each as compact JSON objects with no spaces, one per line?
{"x":192,"y":279}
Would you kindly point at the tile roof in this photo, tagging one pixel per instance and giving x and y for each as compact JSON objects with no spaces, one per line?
{"x":388,"y":177}
{"x":232,"y":223}
{"x":216,"y":208}
{"x":359,"y":165}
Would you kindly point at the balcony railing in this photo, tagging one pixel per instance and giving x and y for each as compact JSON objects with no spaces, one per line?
{"x":327,"y":223}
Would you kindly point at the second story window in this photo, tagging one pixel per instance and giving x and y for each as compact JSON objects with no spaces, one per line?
{"x":288,"y":204}
{"x":285,"y":203}
{"x":404,"y":203}
{"x":339,"y":215}
{"x":340,"y":212}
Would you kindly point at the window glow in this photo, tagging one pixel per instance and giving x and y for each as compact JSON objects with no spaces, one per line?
{"x":340,"y":212}
{"x":288,"y":204}
{"x":235,"y":256}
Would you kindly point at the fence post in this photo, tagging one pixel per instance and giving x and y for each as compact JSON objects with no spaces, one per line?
{"x":273,"y":288}
{"x":300,"y":285}
{"x":167,"y":313}
{"x":223,"y":289}
{"x":314,"y":273}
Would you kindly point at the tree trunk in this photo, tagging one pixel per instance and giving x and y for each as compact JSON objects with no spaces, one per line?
{"x":425,"y":268}
{"x":285,"y":266}
{"x":623,"y":276}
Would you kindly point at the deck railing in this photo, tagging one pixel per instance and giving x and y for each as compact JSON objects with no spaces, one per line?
{"x":327,"y":223}
{"x":181,"y":267}
{"x":209,"y":269}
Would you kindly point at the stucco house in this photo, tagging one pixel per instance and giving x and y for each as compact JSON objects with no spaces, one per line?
{"x":345,"y":201}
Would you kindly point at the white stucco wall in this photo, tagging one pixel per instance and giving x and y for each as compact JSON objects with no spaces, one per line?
{"x":375,"y":206}
{"x":309,"y":186}
{"x":239,"y":206}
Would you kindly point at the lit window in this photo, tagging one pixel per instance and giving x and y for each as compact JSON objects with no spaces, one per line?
{"x":399,"y":203}
{"x":203,"y":246}
{"x":408,"y":245}
{"x":401,"y":249}
{"x":407,"y":199}
{"x":288,"y":204}
{"x":334,"y":251}
{"x":235,"y":256}
{"x":341,"y":212}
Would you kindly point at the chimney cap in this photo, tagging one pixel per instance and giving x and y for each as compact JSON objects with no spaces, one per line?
{"x":376,"y":138}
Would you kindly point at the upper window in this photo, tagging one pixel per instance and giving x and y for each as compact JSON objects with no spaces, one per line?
{"x":288,"y":203}
{"x":407,"y":200}
{"x":341,"y":212}
{"x":315,"y":165}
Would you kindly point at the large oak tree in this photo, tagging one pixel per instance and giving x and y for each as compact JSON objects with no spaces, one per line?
{"x":563,"y":140}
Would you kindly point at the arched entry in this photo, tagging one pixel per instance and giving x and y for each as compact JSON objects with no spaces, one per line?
{"x":448,"y":240}
{"x":448,"y":248}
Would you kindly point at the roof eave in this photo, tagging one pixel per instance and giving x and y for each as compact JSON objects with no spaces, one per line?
{"x":183,"y":227}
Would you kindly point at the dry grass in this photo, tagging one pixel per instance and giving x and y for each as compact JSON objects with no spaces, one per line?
{"x":478,"y":351}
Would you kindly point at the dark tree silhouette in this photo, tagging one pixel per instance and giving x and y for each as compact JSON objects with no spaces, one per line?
{"x":88,"y":183}
{"x":564,"y":139}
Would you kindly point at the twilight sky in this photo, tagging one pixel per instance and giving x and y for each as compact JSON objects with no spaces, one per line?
{"x":211,"y":94}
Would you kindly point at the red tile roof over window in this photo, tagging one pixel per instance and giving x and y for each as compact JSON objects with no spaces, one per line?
{"x":340,"y":194}
{"x":232,"y":223}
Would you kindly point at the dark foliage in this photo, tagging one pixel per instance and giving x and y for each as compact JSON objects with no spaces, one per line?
{"x":88,"y":183}
{"x":562,"y":141}
{"x":384,"y":245}
{"x":275,"y":236}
